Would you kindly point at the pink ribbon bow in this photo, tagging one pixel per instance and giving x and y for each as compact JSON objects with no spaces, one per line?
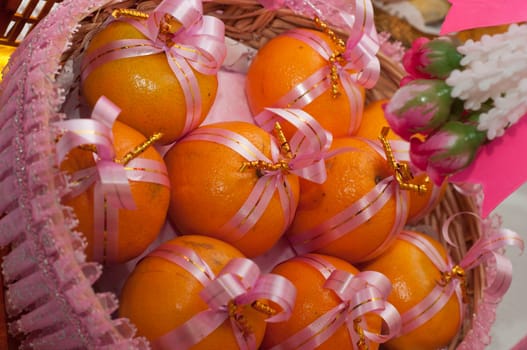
{"x":111,"y":179}
{"x":361,"y":294}
{"x":356,"y":214}
{"x":356,"y":19}
{"x":198,"y":44}
{"x":309,"y":145}
{"x":484,"y":251}
{"x":238,"y":284}
{"x":315,"y":85}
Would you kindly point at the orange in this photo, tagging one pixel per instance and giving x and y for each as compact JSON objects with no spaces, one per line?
{"x":312,"y":301}
{"x":137,"y":228}
{"x":208,"y":189}
{"x":285,"y":62}
{"x":413,"y":277}
{"x":144,"y":87}
{"x":350,"y":175}
{"x":420,"y":204}
{"x":160,"y":295}
{"x":373,"y":120}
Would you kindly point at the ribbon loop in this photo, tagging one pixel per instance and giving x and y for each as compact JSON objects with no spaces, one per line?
{"x":365,"y":293}
{"x":238,"y":284}
{"x":110,"y":177}
{"x":361,"y":294}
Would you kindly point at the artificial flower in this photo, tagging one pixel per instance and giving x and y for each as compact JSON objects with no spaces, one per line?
{"x":429,"y":59}
{"x":421,"y":106}
{"x":448,"y":150}
{"x":494,"y":70}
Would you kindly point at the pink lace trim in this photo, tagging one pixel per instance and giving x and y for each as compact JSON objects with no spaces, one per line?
{"x":49,"y":292}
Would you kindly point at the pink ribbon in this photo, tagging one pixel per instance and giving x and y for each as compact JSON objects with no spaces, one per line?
{"x":309,"y":144}
{"x":198,"y":44}
{"x":239,"y":283}
{"x":111,"y":179}
{"x":362,"y":44}
{"x":355,"y":215}
{"x":360,"y":294}
{"x":316,"y":84}
{"x":356,"y":18}
{"x":484,"y":251}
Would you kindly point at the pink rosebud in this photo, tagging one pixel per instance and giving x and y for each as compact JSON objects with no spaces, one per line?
{"x":413,"y":59}
{"x":429,"y":59}
{"x":420,"y":106}
{"x":447,"y":151}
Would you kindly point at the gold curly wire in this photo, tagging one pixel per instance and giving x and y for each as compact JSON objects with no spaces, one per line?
{"x":236,"y":313}
{"x":167,"y":26}
{"x":458,"y":273}
{"x":239,"y":318}
{"x":282,"y":164}
{"x":333,"y":36}
{"x":336,"y":57}
{"x":402,"y":172}
{"x":139,"y":149}
{"x":263,"y":308}
{"x":285,"y":148}
{"x":132,"y":13}
{"x":361,"y":343}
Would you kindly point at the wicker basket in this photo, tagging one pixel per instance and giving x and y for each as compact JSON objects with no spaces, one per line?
{"x":43,"y":221}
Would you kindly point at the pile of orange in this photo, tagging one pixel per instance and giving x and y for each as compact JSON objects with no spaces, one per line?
{"x":234,"y":193}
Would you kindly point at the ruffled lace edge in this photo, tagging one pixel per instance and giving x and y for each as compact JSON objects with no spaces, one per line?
{"x":49,"y":296}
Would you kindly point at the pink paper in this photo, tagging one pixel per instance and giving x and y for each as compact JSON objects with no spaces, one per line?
{"x":468,"y":14}
{"x":231,"y":102}
{"x":499,"y":167}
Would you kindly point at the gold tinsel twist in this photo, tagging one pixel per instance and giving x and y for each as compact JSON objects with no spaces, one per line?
{"x":239,"y":318}
{"x":139,"y":149}
{"x":458,"y":273}
{"x":336,"y":58}
{"x":263,"y":308}
{"x":334,"y":61}
{"x":282,"y":164}
{"x":402,"y":172}
{"x":361,"y":343}
{"x":285,"y":148}
{"x":327,"y":30}
{"x":168,"y":25}
{"x":136,"y":14}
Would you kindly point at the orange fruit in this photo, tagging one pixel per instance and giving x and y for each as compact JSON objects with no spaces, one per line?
{"x":160,"y":295}
{"x":137,"y":228}
{"x":350,"y":175}
{"x":413,"y":277}
{"x":144,"y":87}
{"x":373,"y":120}
{"x":209,"y":188}
{"x":313,"y":300}
{"x":420,"y":204}
{"x":423,"y":203}
{"x":285,"y":62}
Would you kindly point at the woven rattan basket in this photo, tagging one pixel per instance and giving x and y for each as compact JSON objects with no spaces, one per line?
{"x":31,"y":185}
